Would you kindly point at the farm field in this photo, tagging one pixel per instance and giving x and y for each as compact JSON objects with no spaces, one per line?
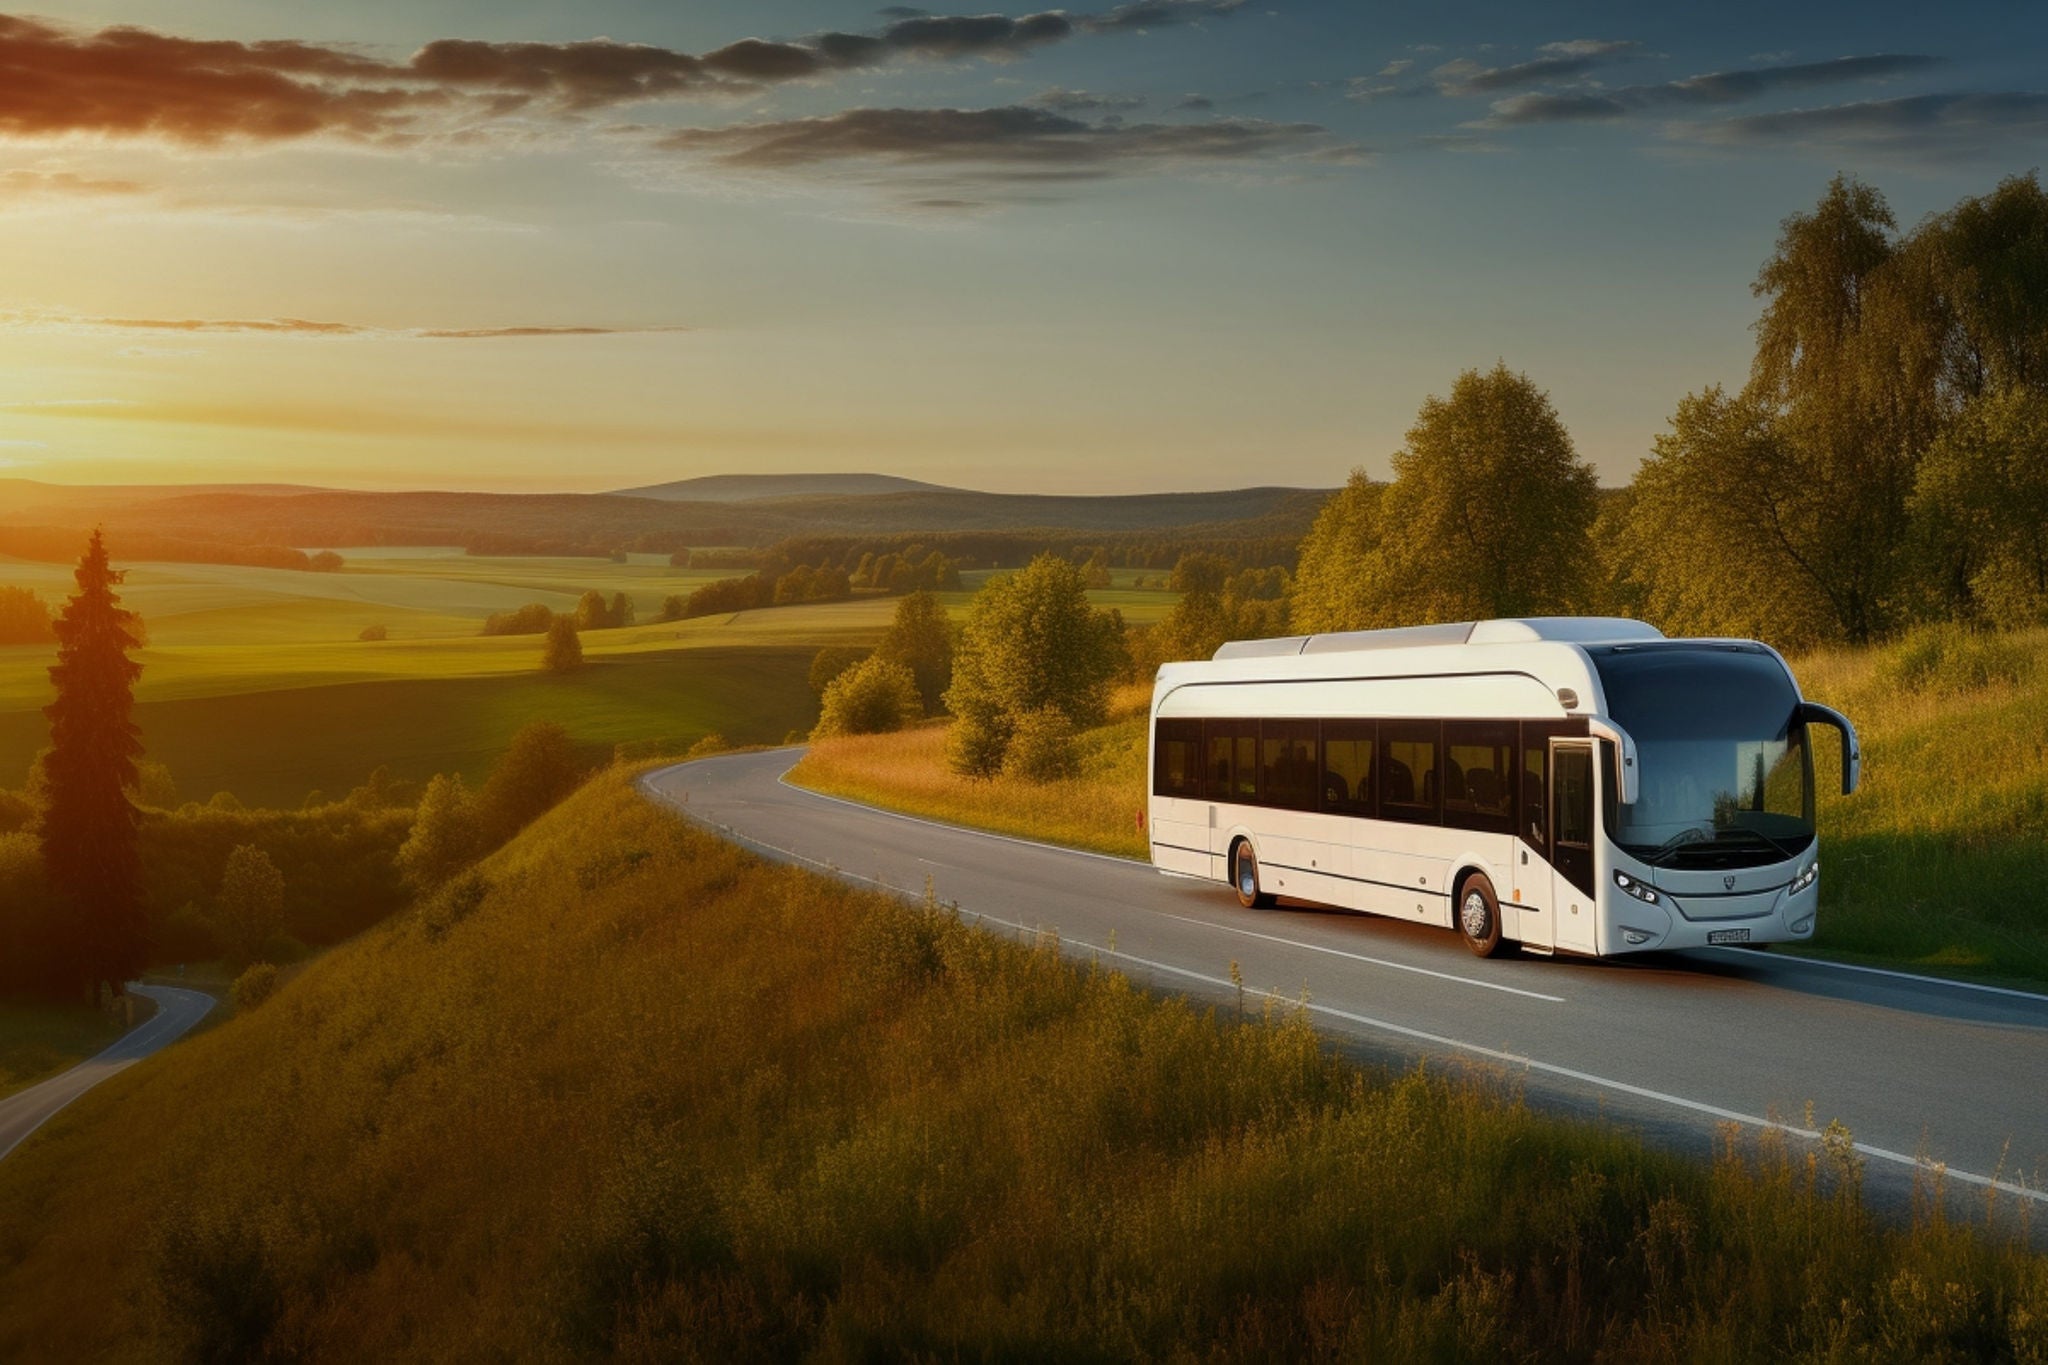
{"x":254,"y":680}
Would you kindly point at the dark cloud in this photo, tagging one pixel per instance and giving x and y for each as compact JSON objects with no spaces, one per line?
{"x":1914,"y":125}
{"x":1555,"y":62}
{"x":1714,"y":88}
{"x":1017,"y":140}
{"x":1150,"y":14}
{"x":1196,"y":103}
{"x":1085,"y":102}
{"x":133,"y":82}
{"x":901,"y":11}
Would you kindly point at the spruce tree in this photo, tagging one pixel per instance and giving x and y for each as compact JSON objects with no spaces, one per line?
{"x":90,"y":824}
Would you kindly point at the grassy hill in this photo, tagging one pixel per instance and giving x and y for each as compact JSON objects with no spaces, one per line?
{"x":1935,"y":863}
{"x":626,"y":1090}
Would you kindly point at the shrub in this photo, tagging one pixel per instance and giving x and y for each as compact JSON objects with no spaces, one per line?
{"x":1041,"y":747}
{"x":250,"y":909}
{"x":24,"y":618}
{"x":447,"y":834}
{"x":538,"y":769}
{"x":532,"y":619}
{"x":873,"y":697}
{"x":255,"y":986}
{"x":372,"y":633}
{"x":325,"y":561}
{"x":713,"y":743}
{"x":832,"y":661}
{"x":671,"y":607}
{"x":563,"y":652}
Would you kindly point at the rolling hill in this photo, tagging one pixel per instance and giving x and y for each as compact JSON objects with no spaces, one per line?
{"x":758,"y":487}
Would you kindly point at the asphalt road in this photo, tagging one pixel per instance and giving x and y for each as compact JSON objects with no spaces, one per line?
{"x":27,"y":1110}
{"x":1919,"y":1069}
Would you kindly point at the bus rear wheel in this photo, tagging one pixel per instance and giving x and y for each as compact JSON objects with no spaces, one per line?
{"x":1479,"y":917}
{"x":1244,"y":877}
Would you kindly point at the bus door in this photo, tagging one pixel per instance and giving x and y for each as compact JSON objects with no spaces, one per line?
{"x":1571,"y":843}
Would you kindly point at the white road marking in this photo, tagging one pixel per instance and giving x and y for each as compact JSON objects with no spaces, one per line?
{"x":1915,"y":977}
{"x":1361,"y":957}
{"x":1925,"y":1165}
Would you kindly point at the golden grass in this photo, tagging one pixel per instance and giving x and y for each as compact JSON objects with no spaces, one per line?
{"x":630,"y":1091}
{"x":38,"y":1040}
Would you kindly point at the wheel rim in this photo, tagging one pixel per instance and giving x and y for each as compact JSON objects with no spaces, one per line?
{"x":1473,"y":915}
{"x":1247,"y":875}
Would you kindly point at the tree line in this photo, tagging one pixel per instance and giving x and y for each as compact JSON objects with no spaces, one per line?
{"x":1886,"y":461}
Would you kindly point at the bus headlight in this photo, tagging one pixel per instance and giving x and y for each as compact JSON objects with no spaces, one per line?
{"x":1805,"y":879}
{"x":1635,"y":888}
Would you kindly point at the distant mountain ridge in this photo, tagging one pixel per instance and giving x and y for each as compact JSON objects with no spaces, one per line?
{"x":762,"y":487}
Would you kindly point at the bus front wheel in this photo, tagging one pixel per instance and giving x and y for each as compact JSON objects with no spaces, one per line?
{"x":1244,"y":877}
{"x":1479,"y":917}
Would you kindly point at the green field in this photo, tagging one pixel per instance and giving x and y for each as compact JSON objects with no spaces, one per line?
{"x":254,"y":680}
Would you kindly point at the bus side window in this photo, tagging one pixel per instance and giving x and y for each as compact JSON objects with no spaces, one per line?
{"x":1178,"y":767}
{"x":1408,"y":771}
{"x":1479,"y":792}
{"x":1347,"y":767}
{"x":1534,"y":783}
{"x":1216,"y":772}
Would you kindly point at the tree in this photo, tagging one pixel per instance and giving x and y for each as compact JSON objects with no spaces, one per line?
{"x":1983,"y":488}
{"x":1338,"y":582}
{"x":24,"y":618}
{"x":250,"y":910}
{"x":89,"y":825}
{"x":591,"y":611}
{"x":447,"y":834}
{"x":1041,"y":747}
{"x":921,"y":639}
{"x":1031,"y":643}
{"x":538,"y":769}
{"x":1488,"y":515}
{"x":563,"y":652}
{"x":873,"y":697}
{"x":324,"y":561}
{"x":532,"y":619}
{"x":671,"y":607}
{"x":620,"y":612}
{"x":831,"y":661}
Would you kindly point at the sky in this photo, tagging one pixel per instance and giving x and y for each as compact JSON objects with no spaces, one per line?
{"x":1159,"y":244}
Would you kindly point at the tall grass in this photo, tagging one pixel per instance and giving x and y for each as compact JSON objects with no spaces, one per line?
{"x":1938,"y":862}
{"x":627,"y":1090}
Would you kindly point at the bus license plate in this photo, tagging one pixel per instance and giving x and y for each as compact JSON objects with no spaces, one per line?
{"x":1728,"y":936}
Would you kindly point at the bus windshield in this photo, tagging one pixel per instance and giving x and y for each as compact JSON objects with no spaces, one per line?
{"x":1727,"y":775}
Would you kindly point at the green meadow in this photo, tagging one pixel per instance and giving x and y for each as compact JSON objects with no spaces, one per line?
{"x":255,"y":681}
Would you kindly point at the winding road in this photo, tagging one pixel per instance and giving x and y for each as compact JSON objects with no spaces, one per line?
{"x":27,"y":1110}
{"x":1922,"y":1071}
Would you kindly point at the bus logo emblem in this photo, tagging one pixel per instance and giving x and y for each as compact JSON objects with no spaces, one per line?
{"x":1727,"y":883}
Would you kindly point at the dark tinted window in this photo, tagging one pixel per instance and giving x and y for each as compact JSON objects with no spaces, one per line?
{"x":1347,"y":767}
{"x":1287,"y":764}
{"x":1532,"y":819}
{"x":1572,"y":785}
{"x":1479,"y":773}
{"x":1231,"y":772}
{"x":1177,"y":758}
{"x":1408,"y":771}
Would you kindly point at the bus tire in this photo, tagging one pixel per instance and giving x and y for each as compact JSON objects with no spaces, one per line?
{"x":1244,"y":877}
{"x":1479,"y":916}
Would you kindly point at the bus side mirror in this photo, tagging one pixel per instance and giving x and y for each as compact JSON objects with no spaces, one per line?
{"x":1631,"y":784}
{"x":1813,"y":713}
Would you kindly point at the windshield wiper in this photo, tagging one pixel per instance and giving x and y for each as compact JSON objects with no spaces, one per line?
{"x":1691,"y":834}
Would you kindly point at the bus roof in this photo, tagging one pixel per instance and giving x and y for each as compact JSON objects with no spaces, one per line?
{"x":1578,"y":630}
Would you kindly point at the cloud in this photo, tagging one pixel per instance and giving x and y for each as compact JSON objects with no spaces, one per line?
{"x":1018,"y":141}
{"x":1557,"y":61}
{"x":1713,"y":88}
{"x":1949,"y":124}
{"x":131,"y":82}
{"x":34,"y":184}
{"x":303,"y":327}
{"x":1195,"y":103}
{"x":1085,"y":102}
{"x":1149,"y":14}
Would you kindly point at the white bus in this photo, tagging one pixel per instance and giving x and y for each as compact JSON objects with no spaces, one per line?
{"x":1567,"y":784}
